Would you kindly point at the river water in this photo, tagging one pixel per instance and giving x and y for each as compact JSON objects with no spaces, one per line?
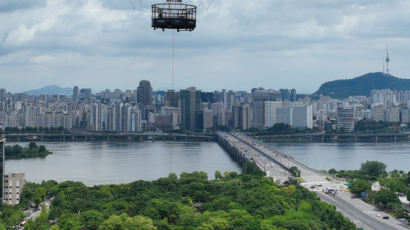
{"x":122,"y":162}
{"x":348,"y":155}
{"x":96,"y":163}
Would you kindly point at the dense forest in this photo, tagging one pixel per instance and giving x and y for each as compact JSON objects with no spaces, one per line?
{"x":231,"y":201}
{"x":18,"y":152}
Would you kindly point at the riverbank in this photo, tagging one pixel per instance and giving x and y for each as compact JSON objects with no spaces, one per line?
{"x":305,"y":138}
{"x":335,"y":138}
{"x":134,"y":137}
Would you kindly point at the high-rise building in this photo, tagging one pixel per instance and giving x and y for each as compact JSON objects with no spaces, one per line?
{"x":258,"y":113}
{"x":241,"y":115}
{"x":288,"y":95}
{"x":204,"y":119}
{"x":393,"y":114}
{"x":190,"y":104}
{"x":405,"y":116}
{"x":302,"y":117}
{"x":3,"y":94}
{"x":76,"y":93}
{"x":13,"y":187}
{"x":284,"y":115}
{"x":270,"y":112}
{"x":378,"y":113}
{"x":293,"y":95}
{"x":284,"y":93}
{"x":2,"y":168}
{"x":85,"y":93}
{"x":346,"y":118}
{"x":144,"y":93}
{"x":208,"y":97}
{"x":172,"y":99}
{"x":259,"y":96}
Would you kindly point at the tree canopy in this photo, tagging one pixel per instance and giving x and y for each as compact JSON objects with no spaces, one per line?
{"x":233,"y":201}
{"x":33,"y":150}
{"x":373,"y":168}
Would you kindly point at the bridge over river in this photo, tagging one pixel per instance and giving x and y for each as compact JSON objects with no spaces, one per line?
{"x":276,"y":165}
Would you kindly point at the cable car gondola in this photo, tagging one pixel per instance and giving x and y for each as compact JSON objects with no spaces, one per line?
{"x":174,"y":15}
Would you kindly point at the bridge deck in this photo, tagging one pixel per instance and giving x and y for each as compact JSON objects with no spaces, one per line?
{"x":276,"y":165}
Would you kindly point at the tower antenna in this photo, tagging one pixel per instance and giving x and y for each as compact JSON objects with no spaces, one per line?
{"x":387,"y":60}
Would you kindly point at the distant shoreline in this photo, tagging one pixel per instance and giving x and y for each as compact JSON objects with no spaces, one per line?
{"x":337,"y":138}
{"x":147,"y":137}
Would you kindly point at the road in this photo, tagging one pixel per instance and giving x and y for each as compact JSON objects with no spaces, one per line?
{"x":265,"y":163}
{"x":275,"y":163}
{"x":360,"y":217}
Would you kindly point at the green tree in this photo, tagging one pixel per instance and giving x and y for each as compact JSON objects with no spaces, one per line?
{"x":294,"y":171}
{"x":10,"y":216}
{"x":40,"y":223}
{"x":250,"y":168}
{"x":408,"y":178}
{"x":360,"y":186}
{"x":218,"y":175}
{"x":332,"y":171}
{"x":384,"y":197}
{"x":69,"y":221}
{"x":91,"y":219}
{"x":408,"y":195}
{"x":205,"y":227}
{"x":123,"y":222}
{"x":373,"y":168}
{"x":32,"y":145}
{"x":42,"y":148}
{"x":219,"y":223}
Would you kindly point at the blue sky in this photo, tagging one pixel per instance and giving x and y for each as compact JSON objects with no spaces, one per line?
{"x":237,"y":45}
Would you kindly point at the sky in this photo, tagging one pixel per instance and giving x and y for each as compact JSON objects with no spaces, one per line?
{"x":237,"y":45}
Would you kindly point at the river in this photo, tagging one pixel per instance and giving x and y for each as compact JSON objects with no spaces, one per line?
{"x":95,"y":163}
{"x":348,"y":155}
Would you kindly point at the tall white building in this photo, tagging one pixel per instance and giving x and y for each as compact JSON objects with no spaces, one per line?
{"x":302,"y":117}
{"x":270,"y":112}
{"x":297,"y":116}
{"x":378,"y":113}
{"x":405,"y":116}
{"x":393,"y":114}
{"x":384,"y":97}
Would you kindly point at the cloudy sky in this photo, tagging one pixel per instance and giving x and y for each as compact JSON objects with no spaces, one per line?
{"x":237,"y":44}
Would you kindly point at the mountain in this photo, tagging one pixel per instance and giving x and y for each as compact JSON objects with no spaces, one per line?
{"x":362,"y":86}
{"x":50,"y":90}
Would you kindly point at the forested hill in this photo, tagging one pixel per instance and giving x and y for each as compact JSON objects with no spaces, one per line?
{"x":362,"y":86}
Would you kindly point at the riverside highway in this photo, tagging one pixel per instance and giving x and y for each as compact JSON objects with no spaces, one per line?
{"x":277,"y":164}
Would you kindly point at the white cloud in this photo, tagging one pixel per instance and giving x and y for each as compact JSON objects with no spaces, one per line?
{"x":239,"y":45}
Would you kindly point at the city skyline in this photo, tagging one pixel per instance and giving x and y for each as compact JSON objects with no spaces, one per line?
{"x":98,"y":43}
